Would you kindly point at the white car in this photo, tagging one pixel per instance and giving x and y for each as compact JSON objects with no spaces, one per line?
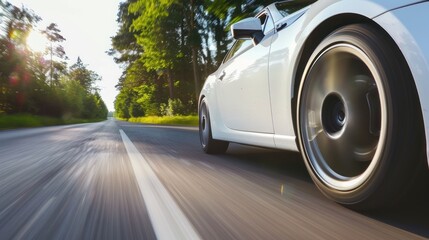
{"x":342,"y":81}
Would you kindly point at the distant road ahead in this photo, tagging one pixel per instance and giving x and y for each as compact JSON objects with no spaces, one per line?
{"x":117,"y":180}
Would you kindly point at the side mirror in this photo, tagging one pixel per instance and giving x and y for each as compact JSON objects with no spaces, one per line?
{"x":248,"y":28}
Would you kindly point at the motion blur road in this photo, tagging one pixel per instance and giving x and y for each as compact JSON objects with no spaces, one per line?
{"x":86,"y":182}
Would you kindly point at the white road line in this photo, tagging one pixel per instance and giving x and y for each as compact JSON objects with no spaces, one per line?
{"x":35,"y":217}
{"x":168,"y":221}
{"x":185,"y":162}
{"x":207,"y":165}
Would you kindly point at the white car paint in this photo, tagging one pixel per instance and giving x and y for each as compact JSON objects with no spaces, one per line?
{"x":404,"y":20}
{"x":245,"y":80}
{"x":411,"y":35}
{"x":249,"y":24}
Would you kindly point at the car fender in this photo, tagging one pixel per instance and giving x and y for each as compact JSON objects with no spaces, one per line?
{"x":324,"y":10}
{"x":412,"y":39}
{"x":402,"y":20}
{"x":209,"y":93}
{"x":286,"y":54}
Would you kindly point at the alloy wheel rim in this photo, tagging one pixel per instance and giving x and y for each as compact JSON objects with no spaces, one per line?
{"x":204,"y":128}
{"x":343,"y":117}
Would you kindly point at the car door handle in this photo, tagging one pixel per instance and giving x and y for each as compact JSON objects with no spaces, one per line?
{"x":222,"y":75}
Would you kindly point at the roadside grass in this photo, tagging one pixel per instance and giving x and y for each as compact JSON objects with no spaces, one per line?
{"x":166,"y":120}
{"x":27,"y":120}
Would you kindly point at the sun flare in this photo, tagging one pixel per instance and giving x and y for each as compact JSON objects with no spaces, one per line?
{"x":36,"y":41}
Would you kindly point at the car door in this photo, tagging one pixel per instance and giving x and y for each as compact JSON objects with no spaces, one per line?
{"x":244,"y":95}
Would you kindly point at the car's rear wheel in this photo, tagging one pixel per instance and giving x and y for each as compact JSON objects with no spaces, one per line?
{"x":209,"y":145}
{"x":359,"y":121}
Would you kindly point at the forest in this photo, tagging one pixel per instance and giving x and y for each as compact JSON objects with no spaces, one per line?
{"x":167,"y":48}
{"x":41,"y":82}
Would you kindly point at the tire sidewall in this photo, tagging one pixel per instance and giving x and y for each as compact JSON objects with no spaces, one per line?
{"x":208,"y":124}
{"x":371,"y":46}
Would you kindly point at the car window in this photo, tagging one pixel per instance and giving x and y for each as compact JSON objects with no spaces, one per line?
{"x":289,"y":7}
{"x":266,"y":22}
{"x":239,"y":46}
{"x":269,"y":25}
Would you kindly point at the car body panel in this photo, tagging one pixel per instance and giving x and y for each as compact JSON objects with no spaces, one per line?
{"x":244,"y":90}
{"x":286,"y":49}
{"x":219,"y":129}
{"x":281,"y":71}
{"x":412,"y":38}
{"x":398,"y":18}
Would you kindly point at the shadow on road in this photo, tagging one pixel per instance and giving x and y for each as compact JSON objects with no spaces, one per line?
{"x":411,"y":215}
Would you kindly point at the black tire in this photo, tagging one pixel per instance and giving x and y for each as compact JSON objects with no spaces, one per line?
{"x":209,"y":145}
{"x":359,"y":121}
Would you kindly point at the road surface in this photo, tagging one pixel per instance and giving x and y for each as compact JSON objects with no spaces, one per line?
{"x":117,"y":180}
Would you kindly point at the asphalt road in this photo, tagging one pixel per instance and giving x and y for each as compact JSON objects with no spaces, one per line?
{"x":88,"y":181}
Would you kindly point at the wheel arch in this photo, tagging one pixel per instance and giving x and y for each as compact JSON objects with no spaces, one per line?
{"x":316,"y":37}
{"x":202,"y":96}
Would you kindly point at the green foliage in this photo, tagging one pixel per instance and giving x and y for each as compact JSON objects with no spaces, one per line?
{"x":173,"y":108}
{"x":74,"y":98}
{"x":167,"y":47}
{"x":100,"y":111}
{"x":168,"y":120}
{"x":86,"y":78}
{"x":16,"y":23}
{"x":151,"y":16}
{"x":145,"y":97}
{"x":27,"y":120}
{"x":25,"y":87}
{"x":122,"y":102}
{"x":56,"y":68}
{"x":136,"y":110}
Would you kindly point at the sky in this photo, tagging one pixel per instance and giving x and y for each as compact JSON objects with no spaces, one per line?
{"x":87,"y":26}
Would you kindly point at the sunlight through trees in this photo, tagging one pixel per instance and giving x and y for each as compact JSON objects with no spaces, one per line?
{"x":34,"y":76}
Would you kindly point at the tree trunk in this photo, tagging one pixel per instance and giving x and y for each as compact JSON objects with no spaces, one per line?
{"x":194,"y":66}
{"x":170,"y":84}
{"x":194,"y":52}
{"x":209,"y":63}
{"x":52,"y":68}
